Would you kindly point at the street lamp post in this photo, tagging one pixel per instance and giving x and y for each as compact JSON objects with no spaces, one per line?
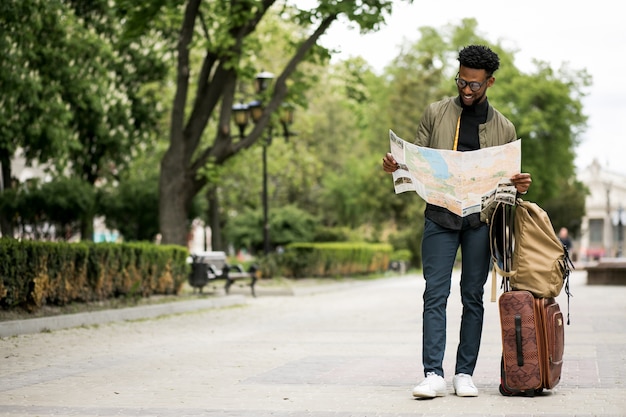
{"x":266,"y":223}
{"x":620,"y":231}
{"x":254,"y":109}
{"x":608,"y":228}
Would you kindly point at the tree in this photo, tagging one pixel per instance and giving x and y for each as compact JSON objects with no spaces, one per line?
{"x":289,"y":224}
{"x":33,"y":115}
{"x":546,"y":108}
{"x":567,"y":208}
{"x":114,"y":105}
{"x":226,"y":41}
{"x":51,"y":210}
{"x":131,"y":208}
{"x":77,"y":93}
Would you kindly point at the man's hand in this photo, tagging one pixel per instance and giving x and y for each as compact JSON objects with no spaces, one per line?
{"x":522,"y":182}
{"x":389,"y":163}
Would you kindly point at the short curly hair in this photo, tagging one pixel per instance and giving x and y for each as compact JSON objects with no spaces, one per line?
{"x":479,"y":57}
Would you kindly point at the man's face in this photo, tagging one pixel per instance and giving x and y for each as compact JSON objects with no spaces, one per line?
{"x":469,"y":77}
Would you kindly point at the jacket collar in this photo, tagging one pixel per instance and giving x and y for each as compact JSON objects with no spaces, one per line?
{"x":457,"y":101}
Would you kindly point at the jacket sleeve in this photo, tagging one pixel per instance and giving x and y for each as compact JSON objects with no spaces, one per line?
{"x":424,"y":130}
{"x":508,"y":128}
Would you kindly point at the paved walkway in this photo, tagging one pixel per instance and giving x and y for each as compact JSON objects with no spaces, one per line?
{"x":353,"y":351}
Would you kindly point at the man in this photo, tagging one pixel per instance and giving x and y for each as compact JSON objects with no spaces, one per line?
{"x":463,"y":123}
{"x":564,"y":238}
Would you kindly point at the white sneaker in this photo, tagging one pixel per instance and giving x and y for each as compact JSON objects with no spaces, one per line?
{"x":431,"y":387}
{"x":464,"y":386}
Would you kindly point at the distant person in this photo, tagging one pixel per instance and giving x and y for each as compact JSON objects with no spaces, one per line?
{"x":565,"y":240}
{"x":466,"y":122}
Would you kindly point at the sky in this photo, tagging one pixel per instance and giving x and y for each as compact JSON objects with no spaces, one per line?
{"x":581,"y":35}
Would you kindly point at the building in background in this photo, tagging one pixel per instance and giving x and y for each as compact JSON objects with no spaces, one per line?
{"x":602,"y":228}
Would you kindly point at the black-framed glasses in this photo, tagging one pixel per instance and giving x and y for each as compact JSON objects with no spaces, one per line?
{"x":473,"y":85}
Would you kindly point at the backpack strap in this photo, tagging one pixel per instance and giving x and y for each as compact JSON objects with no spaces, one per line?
{"x":494,"y":259}
{"x":499,"y":215}
{"x":567,"y":267}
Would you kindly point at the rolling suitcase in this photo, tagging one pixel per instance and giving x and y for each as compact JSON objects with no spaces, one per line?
{"x":532,"y":343}
{"x":532,"y":328}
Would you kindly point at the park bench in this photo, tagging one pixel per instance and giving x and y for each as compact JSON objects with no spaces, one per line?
{"x":609,"y":271}
{"x":207,"y":267}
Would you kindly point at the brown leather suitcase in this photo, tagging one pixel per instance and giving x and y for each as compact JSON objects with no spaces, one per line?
{"x":533,"y":333}
{"x":533,"y":339}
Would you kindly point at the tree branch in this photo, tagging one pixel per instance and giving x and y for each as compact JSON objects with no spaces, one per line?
{"x":182,"y":79}
{"x":280,"y":87}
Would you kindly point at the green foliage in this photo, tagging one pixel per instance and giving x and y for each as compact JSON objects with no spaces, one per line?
{"x":49,"y":210}
{"x":335,"y":234}
{"x":568,"y":208}
{"x":345,"y":130}
{"x":287,"y":224}
{"x":34,"y":115}
{"x":14,"y":264}
{"x":548,"y":115}
{"x":290,"y":224}
{"x":416,"y":78}
{"x":77,"y":94}
{"x":246,"y":230}
{"x":234,"y":48}
{"x":402,"y":255}
{"x":82,"y":82}
{"x":74,"y":87}
{"x":132,"y":208}
{"x":410,"y":240}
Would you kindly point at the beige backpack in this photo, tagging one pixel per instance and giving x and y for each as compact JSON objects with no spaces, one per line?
{"x":540,"y":263}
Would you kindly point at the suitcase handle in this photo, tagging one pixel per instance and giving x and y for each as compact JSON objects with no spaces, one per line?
{"x":518,"y":340}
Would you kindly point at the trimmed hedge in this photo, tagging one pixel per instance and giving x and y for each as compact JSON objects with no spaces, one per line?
{"x":334,"y":259}
{"x":34,"y":273}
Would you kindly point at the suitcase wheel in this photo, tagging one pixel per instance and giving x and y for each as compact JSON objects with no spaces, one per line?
{"x":508,"y":393}
{"x":505,"y":391}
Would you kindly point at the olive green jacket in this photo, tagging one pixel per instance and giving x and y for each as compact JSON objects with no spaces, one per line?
{"x":437,"y":130}
{"x":438,"y":126}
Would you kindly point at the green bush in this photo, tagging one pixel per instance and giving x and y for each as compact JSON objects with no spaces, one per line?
{"x":331,"y":259}
{"x":34,"y":273}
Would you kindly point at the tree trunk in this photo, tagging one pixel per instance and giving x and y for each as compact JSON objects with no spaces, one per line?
{"x":175,"y":193}
{"x":173,"y":198}
{"x":6,"y":228}
{"x":86,"y":228}
{"x":213,"y":215}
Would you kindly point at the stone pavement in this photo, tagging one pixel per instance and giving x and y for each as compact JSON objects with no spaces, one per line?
{"x":352,"y":351}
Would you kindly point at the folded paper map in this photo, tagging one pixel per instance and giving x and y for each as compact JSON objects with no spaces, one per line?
{"x":462,"y":182}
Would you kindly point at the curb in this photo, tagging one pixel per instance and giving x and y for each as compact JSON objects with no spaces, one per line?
{"x":239,"y":295}
{"x":64,"y":321}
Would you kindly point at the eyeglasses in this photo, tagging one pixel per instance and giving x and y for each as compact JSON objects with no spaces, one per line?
{"x":473,"y":85}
